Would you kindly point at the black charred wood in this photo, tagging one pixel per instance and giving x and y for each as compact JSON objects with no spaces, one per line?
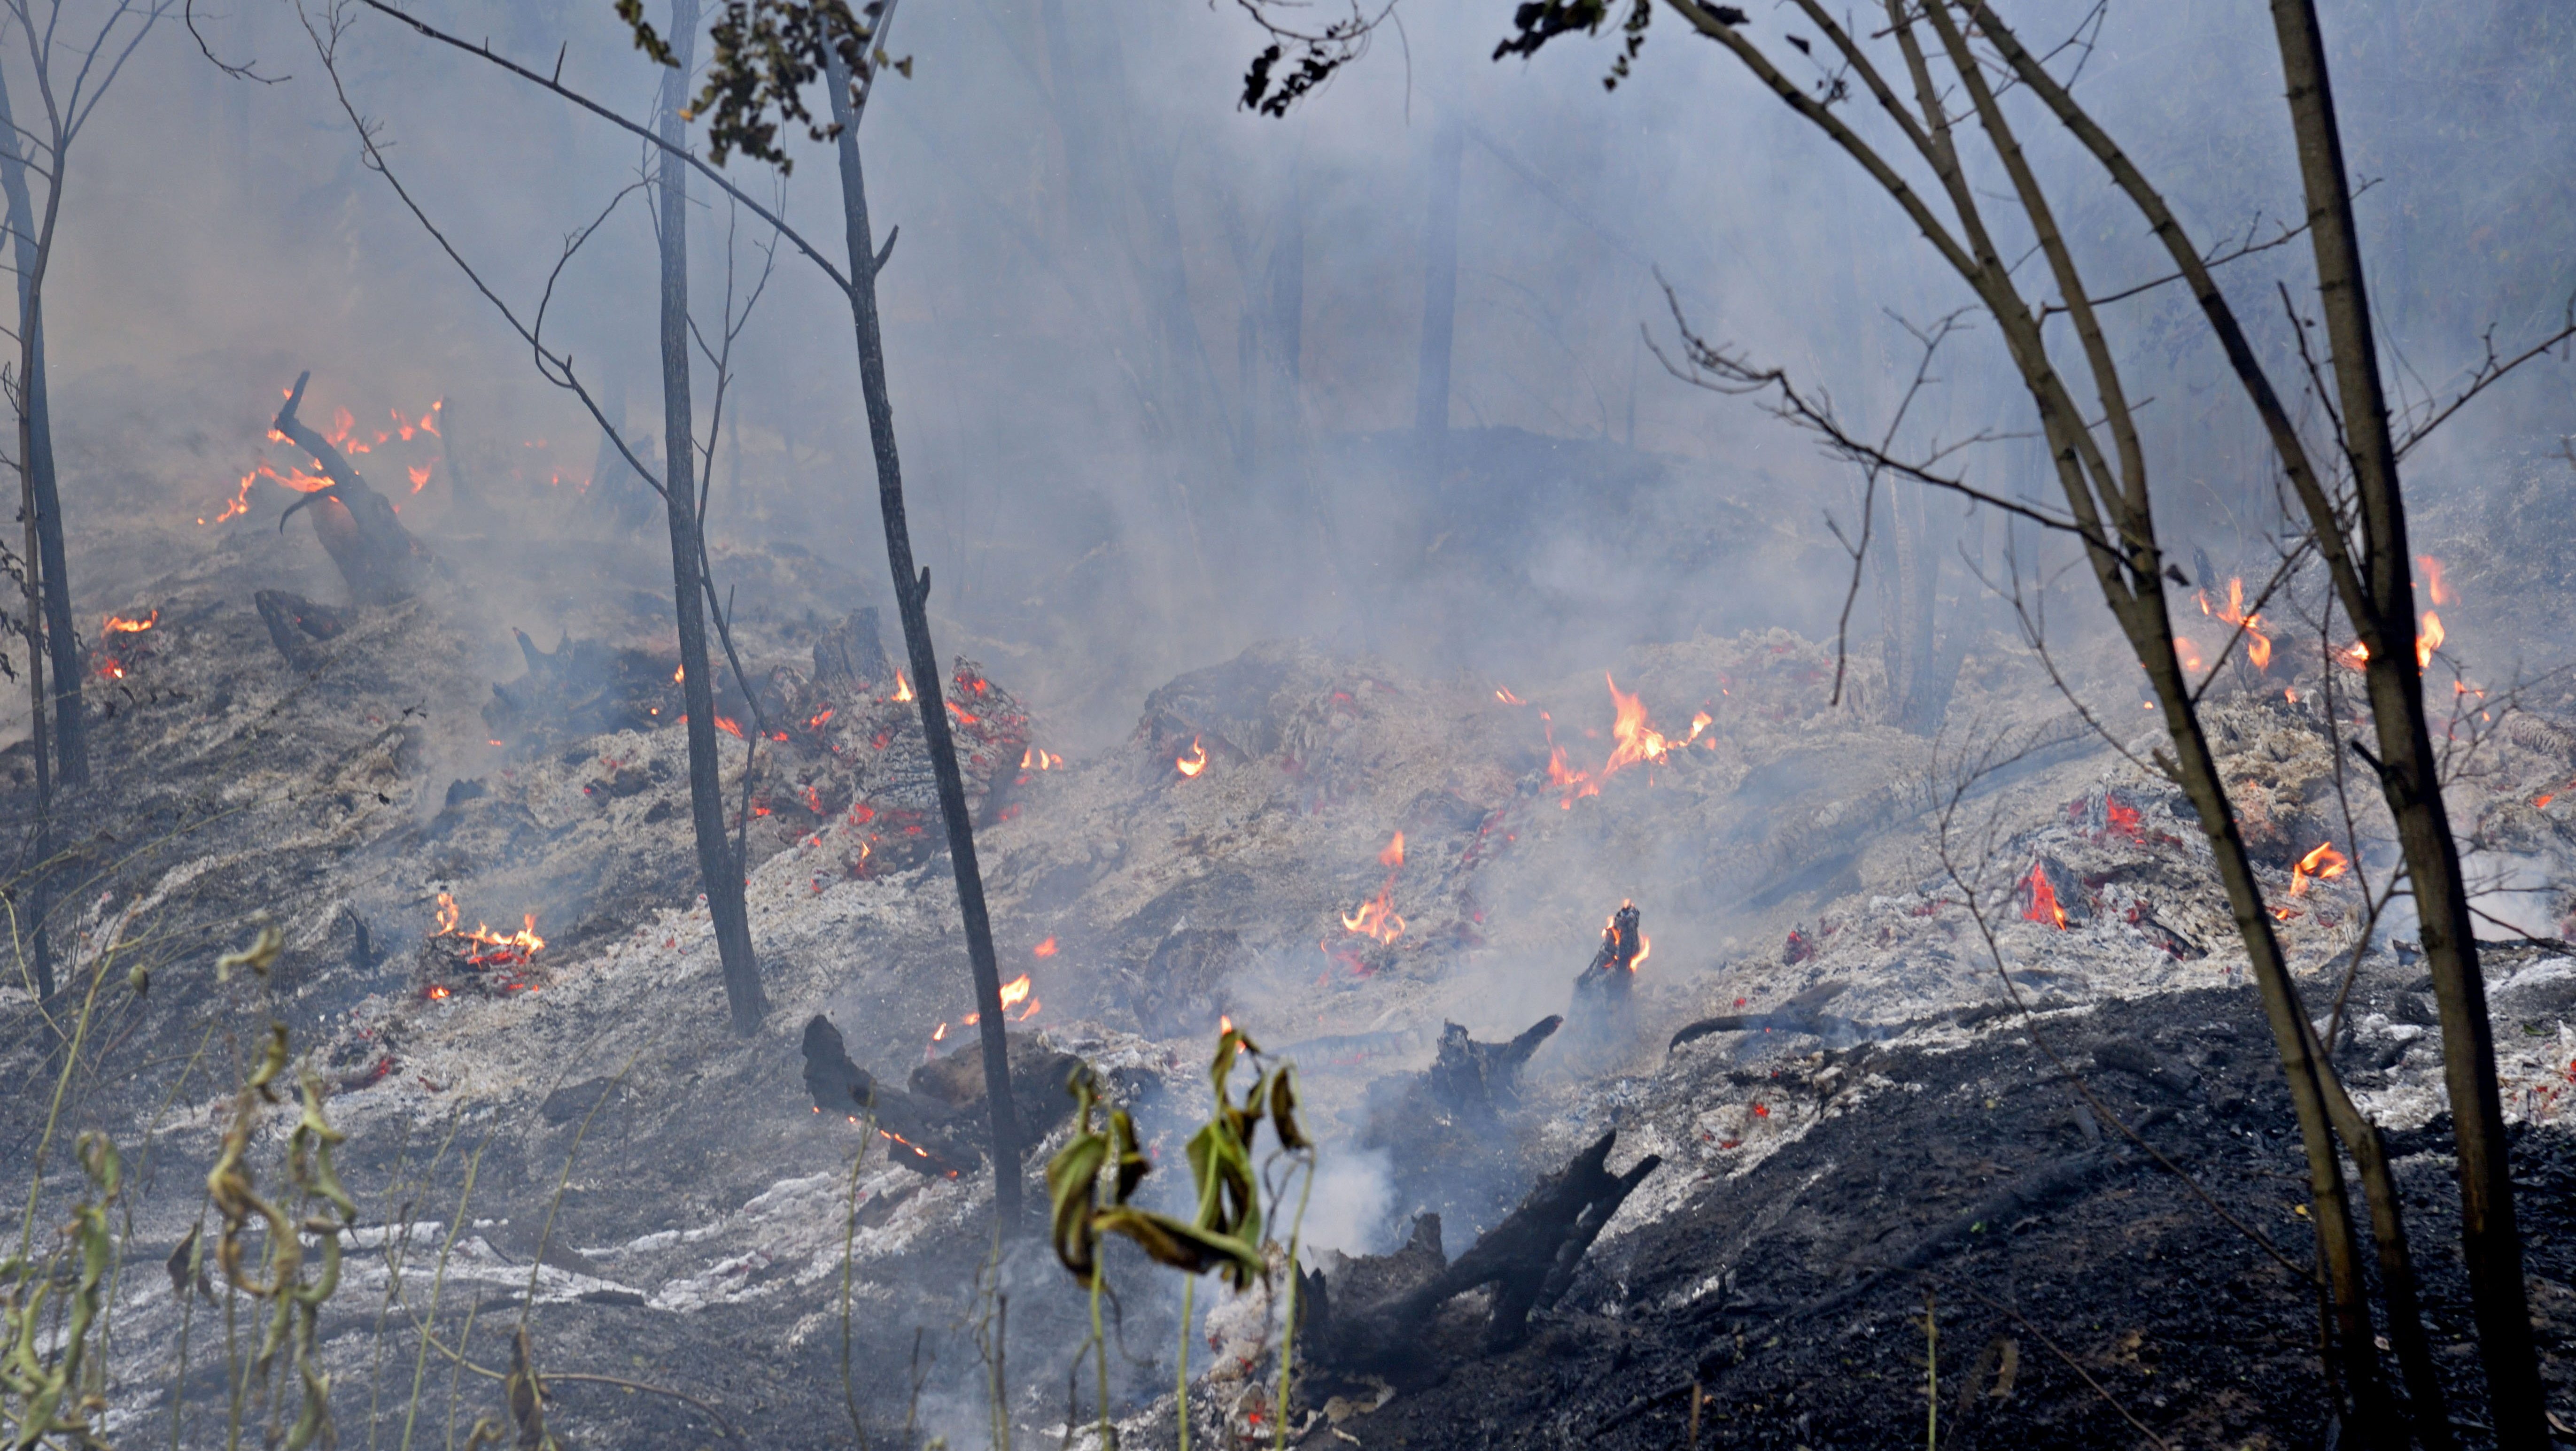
{"x":1530,"y":1259}
{"x":924,"y":1131}
{"x":1479,"y":1080}
{"x":295,"y":623}
{"x":1039,"y":1076}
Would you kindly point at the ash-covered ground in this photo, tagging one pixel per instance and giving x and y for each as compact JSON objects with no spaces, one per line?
{"x":1914,"y":940}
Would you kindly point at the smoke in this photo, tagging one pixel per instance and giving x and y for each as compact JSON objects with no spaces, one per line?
{"x":1352,"y":1203}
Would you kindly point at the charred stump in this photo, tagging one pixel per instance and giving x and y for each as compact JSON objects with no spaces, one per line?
{"x":358,"y":528}
{"x":1604,"y":1013}
{"x":1530,"y":1259}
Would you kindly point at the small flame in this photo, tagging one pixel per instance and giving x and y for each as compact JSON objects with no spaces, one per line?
{"x":436,"y":992}
{"x":2434,"y":588}
{"x":1224,"y":1024}
{"x":2188,"y":654}
{"x":119,"y":625}
{"x":1043,"y":949}
{"x":939,"y":1034}
{"x":1034,"y":759}
{"x":1377,"y":918}
{"x":516,"y":948}
{"x":902,"y":687}
{"x":1193,"y":760}
{"x":2322,"y":864}
{"x":2043,"y":899}
{"x":419,"y":476}
{"x":727,"y":725}
{"x":2428,"y":639}
{"x":1016,"y":991}
{"x":1504,"y":694}
{"x":816,"y":723}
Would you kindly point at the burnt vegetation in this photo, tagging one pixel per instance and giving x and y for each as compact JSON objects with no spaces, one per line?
{"x":1380,"y":903}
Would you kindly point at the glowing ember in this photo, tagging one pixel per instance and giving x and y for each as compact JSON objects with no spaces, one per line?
{"x":816,"y":723}
{"x":119,"y":625}
{"x":2189,"y":655}
{"x":902,"y":687}
{"x":1043,"y":949}
{"x":2043,"y":899}
{"x":727,"y":725}
{"x":436,"y":992}
{"x":2319,"y":865}
{"x":1193,"y":760}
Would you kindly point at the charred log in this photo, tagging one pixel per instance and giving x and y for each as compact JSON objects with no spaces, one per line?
{"x":1038,"y":1078}
{"x":295,"y":623}
{"x":1479,"y":1080}
{"x":358,"y":528}
{"x":923,"y":1130}
{"x":583,"y":688}
{"x":1530,"y":1259}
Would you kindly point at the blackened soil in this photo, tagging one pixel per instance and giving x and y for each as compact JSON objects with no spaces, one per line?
{"x":2074,"y":1283}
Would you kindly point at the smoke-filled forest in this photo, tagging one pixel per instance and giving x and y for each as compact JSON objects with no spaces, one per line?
{"x":1376,"y":723}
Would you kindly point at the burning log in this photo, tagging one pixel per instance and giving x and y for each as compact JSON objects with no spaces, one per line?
{"x":1530,"y":1259}
{"x":923,"y":1130}
{"x":1478,"y":1080}
{"x":295,"y":622}
{"x":357,"y":526}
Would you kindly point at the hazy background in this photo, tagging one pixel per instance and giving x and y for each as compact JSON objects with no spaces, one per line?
{"x":1153,"y":357}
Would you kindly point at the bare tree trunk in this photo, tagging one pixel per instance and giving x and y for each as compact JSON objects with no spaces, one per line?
{"x":912,"y":602}
{"x":1439,"y":286}
{"x":718,"y":864}
{"x":2409,"y":771}
{"x":36,"y":452}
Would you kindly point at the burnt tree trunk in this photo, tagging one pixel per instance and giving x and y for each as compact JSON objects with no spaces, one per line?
{"x":2409,"y":768}
{"x":36,"y":450}
{"x":718,"y":865}
{"x":912,"y":603}
{"x":376,"y":555}
{"x":1439,"y":287}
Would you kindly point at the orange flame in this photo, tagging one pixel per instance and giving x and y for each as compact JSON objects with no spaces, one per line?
{"x":517,"y":947}
{"x":2322,"y":864}
{"x":1504,"y":694}
{"x":1377,"y":918}
{"x":419,"y":476}
{"x":816,"y":723}
{"x":1193,"y":760}
{"x":2434,"y":588}
{"x":902,"y":687}
{"x":2188,"y":654}
{"x":1034,"y":759}
{"x":1043,"y":949}
{"x":940,"y":1033}
{"x":436,"y":992}
{"x":2428,"y":639}
{"x":119,"y":625}
{"x":1016,"y":991}
{"x":2043,"y":899}
{"x":727,"y":725}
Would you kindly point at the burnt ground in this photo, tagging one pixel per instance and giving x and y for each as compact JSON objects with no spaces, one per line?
{"x":1785,"y":1294}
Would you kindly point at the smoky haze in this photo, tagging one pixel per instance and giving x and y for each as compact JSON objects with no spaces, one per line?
{"x":1156,"y":361}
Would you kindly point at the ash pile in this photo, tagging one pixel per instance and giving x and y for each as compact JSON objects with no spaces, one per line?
{"x":1647,"y":1021}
